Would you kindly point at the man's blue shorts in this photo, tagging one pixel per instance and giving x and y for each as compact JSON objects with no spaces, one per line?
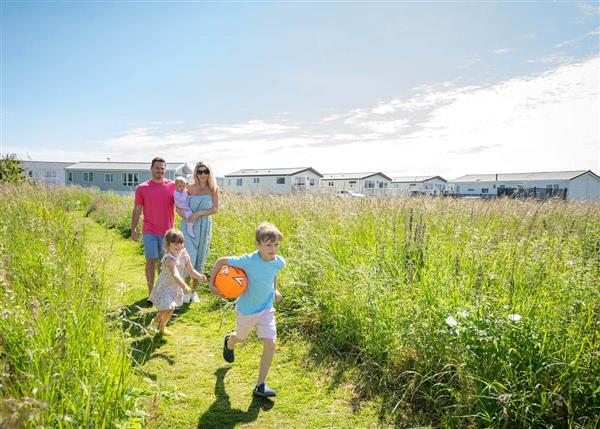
{"x":153,"y":246}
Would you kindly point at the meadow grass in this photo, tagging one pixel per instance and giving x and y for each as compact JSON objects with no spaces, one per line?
{"x":188,"y":384}
{"x":62,"y":364}
{"x":455,"y":312}
{"x":459,"y":312}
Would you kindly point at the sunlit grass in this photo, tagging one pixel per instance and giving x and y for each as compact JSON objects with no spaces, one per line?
{"x":457,"y":312}
{"x":373,"y":281}
{"x":61,"y":363}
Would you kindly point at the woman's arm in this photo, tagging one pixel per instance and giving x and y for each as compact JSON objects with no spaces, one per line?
{"x":211,"y":211}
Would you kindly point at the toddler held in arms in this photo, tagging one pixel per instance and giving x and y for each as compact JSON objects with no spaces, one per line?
{"x":182,"y":201}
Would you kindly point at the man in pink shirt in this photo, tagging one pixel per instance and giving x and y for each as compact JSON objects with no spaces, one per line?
{"x":155,"y":199}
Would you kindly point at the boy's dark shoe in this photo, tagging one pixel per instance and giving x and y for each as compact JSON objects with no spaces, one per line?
{"x":227,"y":353}
{"x":264,"y":391}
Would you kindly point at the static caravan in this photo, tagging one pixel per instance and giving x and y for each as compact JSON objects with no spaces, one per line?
{"x":273,"y":180}
{"x":419,"y":185}
{"x":568,"y":185}
{"x":373,"y":183}
{"x":119,"y":177}
{"x":49,"y":172}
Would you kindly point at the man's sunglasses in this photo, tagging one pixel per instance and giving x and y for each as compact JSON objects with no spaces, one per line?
{"x":202,"y":171}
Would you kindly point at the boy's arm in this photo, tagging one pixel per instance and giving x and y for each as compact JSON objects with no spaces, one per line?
{"x":211,"y":284}
{"x":278,"y":295}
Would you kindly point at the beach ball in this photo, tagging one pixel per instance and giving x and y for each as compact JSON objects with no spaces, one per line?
{"x":231,"y":281}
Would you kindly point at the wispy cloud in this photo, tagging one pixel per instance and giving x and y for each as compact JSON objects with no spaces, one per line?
{"x":469,"y":62}
{"x":542,"y":121}
{"x":475,"y":149}
{"x":567,"y":42}
{"x":589,"y":10}
{"x":554,"y":58}
{"x":501,"y":51}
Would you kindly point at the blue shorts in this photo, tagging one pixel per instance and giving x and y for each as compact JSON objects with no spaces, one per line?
{"x":153,"y":246}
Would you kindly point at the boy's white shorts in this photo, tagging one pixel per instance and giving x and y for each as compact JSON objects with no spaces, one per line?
{"x":264,"y":322}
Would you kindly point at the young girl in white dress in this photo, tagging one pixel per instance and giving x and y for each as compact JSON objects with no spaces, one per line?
{"x":169,"y":289}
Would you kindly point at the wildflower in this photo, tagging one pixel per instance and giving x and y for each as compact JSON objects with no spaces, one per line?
{"x":514,"y":317}
{"x":482,"y":333}
{"x":504,"y":398}
{"x":450,"y":321}
{"x":463,"y":313}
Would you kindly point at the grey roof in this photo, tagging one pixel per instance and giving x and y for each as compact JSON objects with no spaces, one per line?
{"x":45,"y":163}
{"x":414,"y":179}
{"x":521,"y":177}
{"x":352,"y":176}
{"x":130,"y":166}
{"x":272,"y":172}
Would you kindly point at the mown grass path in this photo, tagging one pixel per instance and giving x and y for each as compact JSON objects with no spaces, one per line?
{"x":189,"y":383}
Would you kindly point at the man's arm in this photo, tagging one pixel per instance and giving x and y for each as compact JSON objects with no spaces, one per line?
{"x":135,"y":218}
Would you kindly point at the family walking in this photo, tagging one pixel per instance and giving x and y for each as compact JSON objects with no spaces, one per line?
{"x":179,"y":257}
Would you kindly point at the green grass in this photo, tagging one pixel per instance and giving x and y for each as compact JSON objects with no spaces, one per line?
{"x":403,"y":309}
{"x":185,"y":378}
{"x":61,"y":364}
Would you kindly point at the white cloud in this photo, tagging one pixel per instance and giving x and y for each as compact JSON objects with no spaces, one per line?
{"x":501,"y":51}
{"x":546,"y":121}
{"x":554,"y":58}
{"x":567,"y":42}
{"x":589,"y":10}
{"x":469,"y":62}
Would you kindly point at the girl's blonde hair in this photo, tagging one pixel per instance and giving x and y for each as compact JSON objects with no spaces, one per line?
{"x":172,"y":236}
{"x":212,"y":182}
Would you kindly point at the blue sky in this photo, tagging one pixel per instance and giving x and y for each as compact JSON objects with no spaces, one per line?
{"x":405,"y":88}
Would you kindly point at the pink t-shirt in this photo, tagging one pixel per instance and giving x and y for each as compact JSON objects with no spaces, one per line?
{"x":157,"y":201}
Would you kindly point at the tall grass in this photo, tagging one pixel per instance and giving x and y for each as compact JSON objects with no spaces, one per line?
{"x":457,"y":312}
{"x":61,"y":364}
{"x":483,"y":313}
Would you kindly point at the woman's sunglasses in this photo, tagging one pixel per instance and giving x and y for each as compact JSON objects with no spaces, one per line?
{"x":202,"y":171}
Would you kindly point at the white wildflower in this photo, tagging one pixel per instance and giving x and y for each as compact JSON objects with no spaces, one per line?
{"x":514,"y":317}
{"x":450,"y":321}
{"x":482,"y":333}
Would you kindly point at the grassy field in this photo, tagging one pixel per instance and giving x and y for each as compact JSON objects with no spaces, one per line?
{"x":62,"y":364}
{"x":185,"y":379}
{"x":438,"y":312}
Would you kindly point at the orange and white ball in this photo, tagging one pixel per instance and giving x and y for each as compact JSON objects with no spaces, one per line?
{"x":231,"y":281}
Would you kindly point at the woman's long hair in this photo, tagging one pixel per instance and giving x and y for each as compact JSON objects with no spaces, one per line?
{"x":212,"y":182}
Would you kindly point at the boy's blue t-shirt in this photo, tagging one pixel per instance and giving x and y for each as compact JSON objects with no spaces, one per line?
{"x":260,"y":292}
